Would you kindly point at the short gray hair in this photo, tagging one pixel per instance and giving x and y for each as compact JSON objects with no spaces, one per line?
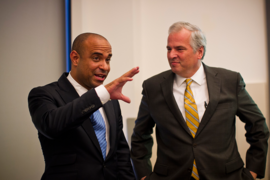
{"x":197,"y":39}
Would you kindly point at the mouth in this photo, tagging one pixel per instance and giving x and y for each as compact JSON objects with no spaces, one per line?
{"x":100,"y":77}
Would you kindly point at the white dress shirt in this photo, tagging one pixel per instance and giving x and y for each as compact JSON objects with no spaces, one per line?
{"x":103,"y":95}
{"x":198,"y":88}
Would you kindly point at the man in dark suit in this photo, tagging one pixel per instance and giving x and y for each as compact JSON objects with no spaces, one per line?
{"x":193,"y":107}
{"x":79,"y":127}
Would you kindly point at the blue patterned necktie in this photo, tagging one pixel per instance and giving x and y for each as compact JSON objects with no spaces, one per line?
{"x":100,"y":131}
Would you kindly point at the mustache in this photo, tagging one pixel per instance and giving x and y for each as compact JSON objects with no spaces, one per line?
{"x":103,"y":72}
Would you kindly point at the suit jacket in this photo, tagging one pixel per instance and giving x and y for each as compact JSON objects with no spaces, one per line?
{"x":214,"y":147}
{"x":69,"y":144}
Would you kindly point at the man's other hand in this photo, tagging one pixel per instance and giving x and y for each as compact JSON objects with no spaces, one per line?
{"x":253,"y":174}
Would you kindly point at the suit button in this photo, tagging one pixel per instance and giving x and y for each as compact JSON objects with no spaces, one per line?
{"x":194,"y":145}
{"x":189,"y":170}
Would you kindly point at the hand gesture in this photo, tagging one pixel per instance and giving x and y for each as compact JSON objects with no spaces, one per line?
{"x":115,"y":87}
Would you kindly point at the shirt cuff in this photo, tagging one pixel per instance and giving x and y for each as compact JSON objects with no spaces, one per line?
{"x":102,"y":93}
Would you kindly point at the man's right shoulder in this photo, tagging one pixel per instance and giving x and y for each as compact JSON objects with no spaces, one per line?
{"x":52,"y":85}
{"x":46,"y":89}
{"x":47,"y":86}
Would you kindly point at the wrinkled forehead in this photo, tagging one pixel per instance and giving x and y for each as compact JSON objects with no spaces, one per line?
{"x":180,"y":36}
{"x":98,"y":44}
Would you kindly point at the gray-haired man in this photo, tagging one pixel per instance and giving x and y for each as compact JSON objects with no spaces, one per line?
{"x":193,"y":107}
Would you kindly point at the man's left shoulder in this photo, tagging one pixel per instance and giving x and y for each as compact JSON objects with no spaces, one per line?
{"x":221,"y":72}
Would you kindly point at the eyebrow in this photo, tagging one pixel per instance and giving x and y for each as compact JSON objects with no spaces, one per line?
{"x":181,"y":47}
{"x":98,"y":53}
{"x":176,"y":47}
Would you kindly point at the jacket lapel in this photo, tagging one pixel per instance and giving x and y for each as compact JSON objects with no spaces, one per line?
{"x":113,"y":122}
{"x":87,"y":126}
{"x":66,"y":91}
{"x":167,"y":89}
{"x":68,"y":94}
{"x":213,"y":85}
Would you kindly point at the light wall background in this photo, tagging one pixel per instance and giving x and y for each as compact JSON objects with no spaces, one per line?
{"x":32,"y":54}
{"x":137,"y":30}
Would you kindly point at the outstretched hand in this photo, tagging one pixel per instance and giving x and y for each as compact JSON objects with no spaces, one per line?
{"x":115,"y":87}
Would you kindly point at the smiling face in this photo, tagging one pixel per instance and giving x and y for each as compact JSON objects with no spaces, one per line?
{"x":181,"y":57}
{"x":91,"y":67}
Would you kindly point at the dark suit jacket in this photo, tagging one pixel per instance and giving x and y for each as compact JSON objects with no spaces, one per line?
{"x":214,"y":148}
{"x":69,"y":144}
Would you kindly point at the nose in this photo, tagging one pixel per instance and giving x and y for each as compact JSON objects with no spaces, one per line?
{"x":171,"y":54}
{"x":104,"y":65}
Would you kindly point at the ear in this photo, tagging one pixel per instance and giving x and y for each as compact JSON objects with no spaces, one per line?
{"x":74,"y":57}
{"x":200,"y":52}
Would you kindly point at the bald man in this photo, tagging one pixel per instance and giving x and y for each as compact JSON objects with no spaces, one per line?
{"x":79,"y":121}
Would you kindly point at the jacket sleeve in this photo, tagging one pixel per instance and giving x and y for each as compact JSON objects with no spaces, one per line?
{"x":257,"y":132}
{"x":141,"y":140}
{"x":52,"y":118}
{"x":125,"y":171}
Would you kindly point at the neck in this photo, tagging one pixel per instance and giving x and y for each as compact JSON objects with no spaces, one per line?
{"x":190,"y":73}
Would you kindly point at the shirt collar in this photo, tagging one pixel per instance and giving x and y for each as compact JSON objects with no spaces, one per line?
{"x":79,"y":88}
{"x":198,"y":77}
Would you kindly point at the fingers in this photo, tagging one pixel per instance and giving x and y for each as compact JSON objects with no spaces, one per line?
{"x":128,"y":75}
{"x":132,"y":72}
{"x":126,"y":99}
{"x":125,"y":79}
{"x":115,"y":87}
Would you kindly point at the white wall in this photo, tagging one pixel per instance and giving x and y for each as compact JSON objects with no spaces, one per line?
{"x":31,"y":54}
{"x":137,"y":29}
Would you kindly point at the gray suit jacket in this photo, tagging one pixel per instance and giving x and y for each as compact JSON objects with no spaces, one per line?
{"x":214,"y":148}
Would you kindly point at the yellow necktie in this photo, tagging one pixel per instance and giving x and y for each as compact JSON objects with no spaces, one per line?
{"x":192,"y":119}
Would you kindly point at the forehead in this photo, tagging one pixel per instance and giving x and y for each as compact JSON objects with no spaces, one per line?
{"x":94,"y":44}
{"x":182,"y":36}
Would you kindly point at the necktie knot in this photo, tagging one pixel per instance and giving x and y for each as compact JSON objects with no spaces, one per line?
{"x":188,"y":82}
